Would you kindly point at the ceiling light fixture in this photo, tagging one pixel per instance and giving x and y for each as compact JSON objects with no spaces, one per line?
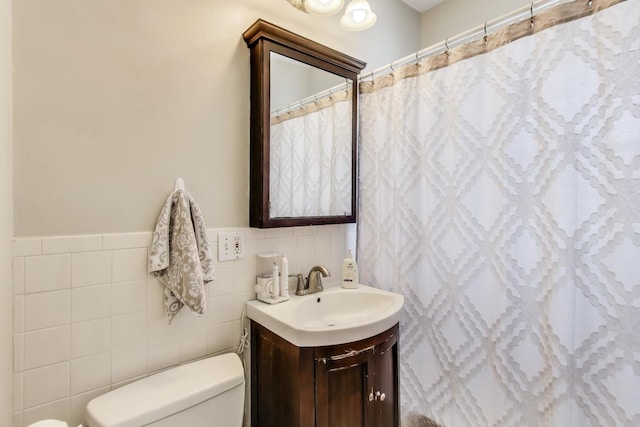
{"x":358,"y":15}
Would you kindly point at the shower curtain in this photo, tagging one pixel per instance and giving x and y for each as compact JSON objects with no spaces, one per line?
{"x":311,"y":158}
{"x":500,"y":194}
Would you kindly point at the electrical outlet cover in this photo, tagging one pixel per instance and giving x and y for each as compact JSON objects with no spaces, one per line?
{"x":230,"y":246}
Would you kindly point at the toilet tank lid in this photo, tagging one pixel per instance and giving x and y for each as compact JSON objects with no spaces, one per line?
{"x":166,"y":393}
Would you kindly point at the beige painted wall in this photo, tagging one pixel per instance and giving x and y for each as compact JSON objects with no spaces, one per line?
{"x":116,"y":99}
{"x":453,"y":17}
{"x":6,"y":219}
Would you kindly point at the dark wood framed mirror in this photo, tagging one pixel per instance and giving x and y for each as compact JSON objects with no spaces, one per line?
{"x":304,"y":130}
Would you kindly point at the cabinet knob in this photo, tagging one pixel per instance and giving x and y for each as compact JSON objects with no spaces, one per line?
{"x":380,"y":396}
{"x":371,"y":396}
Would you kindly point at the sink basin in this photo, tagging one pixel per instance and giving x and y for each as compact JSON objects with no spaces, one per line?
{"x":334,"y":316}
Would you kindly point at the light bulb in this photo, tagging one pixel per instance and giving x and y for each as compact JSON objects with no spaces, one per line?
{"x":358,"y":16}
{"x":323,"y":7}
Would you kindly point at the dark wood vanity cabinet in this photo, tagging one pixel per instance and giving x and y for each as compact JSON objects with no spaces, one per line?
{"x":344,"y":385}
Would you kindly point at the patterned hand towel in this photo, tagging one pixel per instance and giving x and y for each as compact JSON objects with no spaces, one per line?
{"x":180,"y":255}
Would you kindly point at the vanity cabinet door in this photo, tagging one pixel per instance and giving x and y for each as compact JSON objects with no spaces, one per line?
{"x":330,"y":386}
{"x":386,"y":383}
{"x":344,"y":389}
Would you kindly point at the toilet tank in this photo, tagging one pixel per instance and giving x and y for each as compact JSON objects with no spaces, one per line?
{"x":208,"y":392}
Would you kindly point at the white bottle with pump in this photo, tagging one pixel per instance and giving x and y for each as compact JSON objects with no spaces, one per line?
{"x":349,"y":272}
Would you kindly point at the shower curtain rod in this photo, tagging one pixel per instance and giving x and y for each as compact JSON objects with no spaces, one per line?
{"x":475,"y":33}
{"x":313,"y":98}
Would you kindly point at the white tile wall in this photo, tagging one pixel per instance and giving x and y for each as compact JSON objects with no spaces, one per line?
{"x":46,"y":346}
{"x":90,"y":303}
{"x":46,"y":384}
{"x":128,"y":362}
{"x":17,"y":392}
{"x":90,"y":268}
{"x":129,"y":264}
{"x":88,"y":318}
{"x":47,"y":273}
{"x":46,"y":310}
{"x":89,"y":338}
{"x":58,"y":410}
{"x":18,"y":275}
{"x":27,"y":246}
{"x":129,"y":297}
{"x":90,"y":373}
{"x":69,"y":244}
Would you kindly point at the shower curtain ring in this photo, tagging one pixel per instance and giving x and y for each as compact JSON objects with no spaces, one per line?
{"x":590,"y":3}
{"x":531,"y":12}
{"x":446,"y":44}
{"x":485,"y":38}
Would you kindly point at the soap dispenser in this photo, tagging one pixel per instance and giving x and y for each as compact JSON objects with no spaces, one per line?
{"x":349,"y":272}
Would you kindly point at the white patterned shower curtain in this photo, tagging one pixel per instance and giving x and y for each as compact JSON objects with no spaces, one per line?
{"x":311,"y":160}
{"x":501,"y":196}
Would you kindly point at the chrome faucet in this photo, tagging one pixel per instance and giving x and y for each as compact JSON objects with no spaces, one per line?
{"x":313,"y":283}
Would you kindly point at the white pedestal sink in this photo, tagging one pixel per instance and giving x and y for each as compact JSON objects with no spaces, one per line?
{"x":333,"y":316}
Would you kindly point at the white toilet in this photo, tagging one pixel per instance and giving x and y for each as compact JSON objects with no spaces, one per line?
{"x":208,"y":392}
{"x":49,"y":423}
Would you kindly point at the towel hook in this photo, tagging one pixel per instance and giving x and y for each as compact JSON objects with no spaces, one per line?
{"x":179,"y":185}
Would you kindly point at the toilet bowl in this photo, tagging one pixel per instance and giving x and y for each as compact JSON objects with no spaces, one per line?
{"x":49,"y":423}
{"x":208,"y":392}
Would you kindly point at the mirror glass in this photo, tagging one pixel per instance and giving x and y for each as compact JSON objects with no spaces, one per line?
{"x":311,"y":151}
